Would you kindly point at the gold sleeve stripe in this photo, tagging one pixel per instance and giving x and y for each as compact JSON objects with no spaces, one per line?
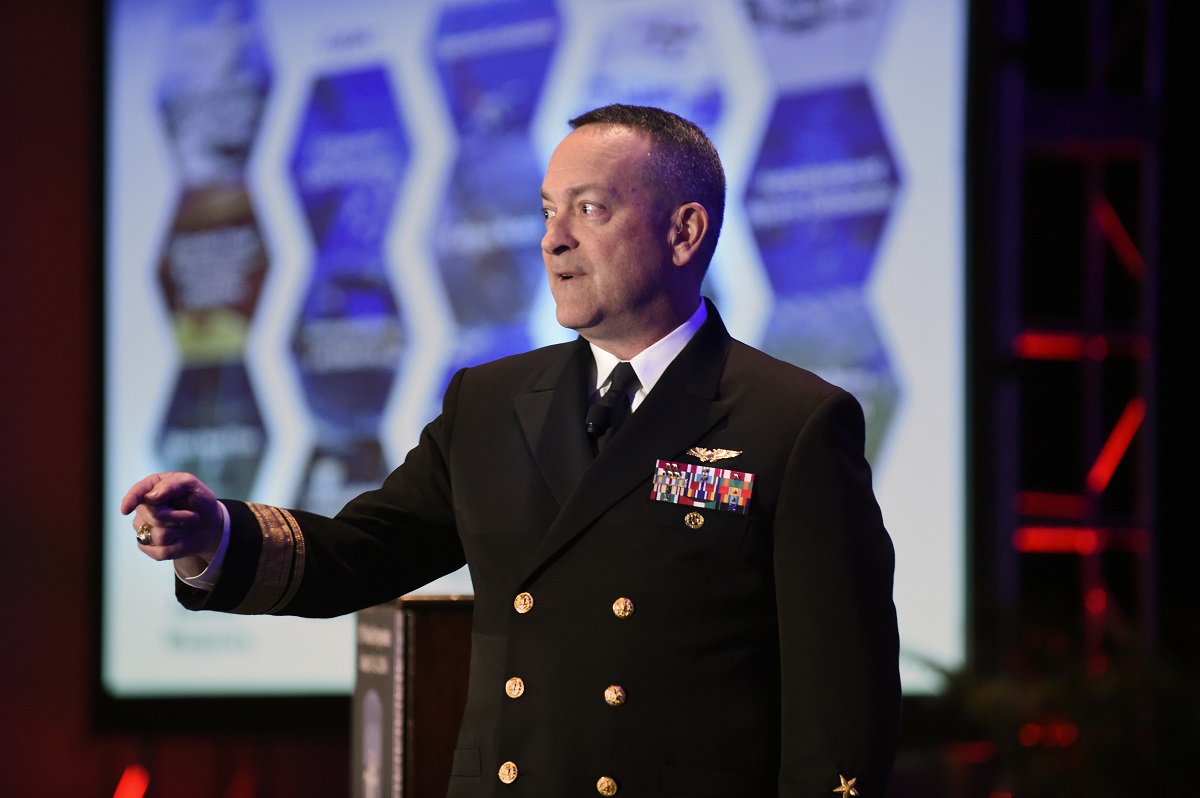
{"x":281,"y":563}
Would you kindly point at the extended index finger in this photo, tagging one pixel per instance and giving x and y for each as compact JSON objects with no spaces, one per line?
{"x":136,"y":493}
{"x":170,"y":488}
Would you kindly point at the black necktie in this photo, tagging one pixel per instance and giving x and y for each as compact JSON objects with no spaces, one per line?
{"x":611,"y":409}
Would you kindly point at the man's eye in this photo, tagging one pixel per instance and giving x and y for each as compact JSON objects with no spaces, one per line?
{"x":547,"y":214}
{"x":588,"y":208}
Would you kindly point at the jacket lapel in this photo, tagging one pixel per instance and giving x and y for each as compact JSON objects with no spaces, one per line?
{"x":684,"y":405}
{"x":552,"y":417}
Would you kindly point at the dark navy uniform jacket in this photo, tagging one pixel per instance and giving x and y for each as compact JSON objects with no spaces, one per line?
{"x":621,"y":642}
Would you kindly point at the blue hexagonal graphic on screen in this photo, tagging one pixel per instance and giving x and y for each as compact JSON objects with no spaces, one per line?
{"x":348,"y":344}
{"x":350,"y":159}
{"x":492,"y":60}
{"x":348,"y":165}
{"x":214,"y":85}
{"x":818,"y":202}
{"x":820,"y":192}
{"x":664,"y":57}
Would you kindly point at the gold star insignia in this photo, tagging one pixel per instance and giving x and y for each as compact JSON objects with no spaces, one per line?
{"x":712,"y":455}
{"x":847,"y":788}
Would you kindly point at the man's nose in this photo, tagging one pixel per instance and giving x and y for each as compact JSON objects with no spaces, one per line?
{"x":558,"y":238}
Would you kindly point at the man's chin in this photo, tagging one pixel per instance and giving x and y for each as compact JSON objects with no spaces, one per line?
{"x":576,"y":322}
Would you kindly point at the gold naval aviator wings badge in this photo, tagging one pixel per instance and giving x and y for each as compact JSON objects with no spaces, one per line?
{"x":712,"y":455}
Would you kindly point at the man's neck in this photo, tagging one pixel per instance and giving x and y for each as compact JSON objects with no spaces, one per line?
{"x":629,"y":346}
{"x":650,"y":363}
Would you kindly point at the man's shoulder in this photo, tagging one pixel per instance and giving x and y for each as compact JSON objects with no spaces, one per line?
{"x":746,"y":363}
{"x":765,"y":387}
{"x":748,"y":370}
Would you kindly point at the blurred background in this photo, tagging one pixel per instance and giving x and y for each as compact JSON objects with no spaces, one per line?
{"x":1080,"y":673}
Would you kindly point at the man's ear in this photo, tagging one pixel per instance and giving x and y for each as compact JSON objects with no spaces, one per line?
{"x":689,"y":225}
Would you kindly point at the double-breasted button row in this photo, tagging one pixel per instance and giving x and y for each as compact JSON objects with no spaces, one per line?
{"x":515,"y":687}
{"x":614,"y":694}
{"x":605,"y":785}
{"x":622,"y":607}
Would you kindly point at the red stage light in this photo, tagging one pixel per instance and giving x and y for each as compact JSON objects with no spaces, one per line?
{"x":133,"y":783}
{"x":1049,"y":346}
{"x":1117,"y":444}
{"x":1056,"y":540}
{"x":1118,"y":236}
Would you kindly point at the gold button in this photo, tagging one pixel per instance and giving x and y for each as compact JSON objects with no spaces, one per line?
{"x":515,"y":687}
{"x":614,"y":695}
{"x":523,"y":603}
{"x":622,"y":607}
{"x":508,"y":772}
{"x":606,"y":786}
{"x":694,"y":520}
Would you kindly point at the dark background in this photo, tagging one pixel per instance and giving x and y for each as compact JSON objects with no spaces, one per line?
{"x":1087,"y":116}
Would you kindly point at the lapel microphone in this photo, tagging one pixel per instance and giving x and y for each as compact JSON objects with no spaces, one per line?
{"x":599,"y":417}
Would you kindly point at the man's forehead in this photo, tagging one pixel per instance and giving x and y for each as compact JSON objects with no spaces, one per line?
{"x":597,"y":158}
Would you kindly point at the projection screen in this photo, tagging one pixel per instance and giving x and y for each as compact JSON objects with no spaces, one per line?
{"x":315,"y":212}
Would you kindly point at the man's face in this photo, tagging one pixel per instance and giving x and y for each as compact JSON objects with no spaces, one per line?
{"x":607,"y":242}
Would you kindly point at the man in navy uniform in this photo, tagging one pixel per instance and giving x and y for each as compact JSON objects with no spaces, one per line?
{"x":683,"y":584}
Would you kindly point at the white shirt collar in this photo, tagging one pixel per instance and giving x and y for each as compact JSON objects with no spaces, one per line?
{"x":651,"y":362}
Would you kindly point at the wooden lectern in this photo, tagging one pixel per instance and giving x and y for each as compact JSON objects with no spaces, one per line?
{"x":413,"y":657}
